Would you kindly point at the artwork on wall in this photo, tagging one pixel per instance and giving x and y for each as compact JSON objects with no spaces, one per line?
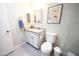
{"x":54,"y":14}
{"x":38,"y":14}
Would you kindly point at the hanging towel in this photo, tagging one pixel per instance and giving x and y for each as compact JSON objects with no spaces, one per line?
{"x":21,"y":25}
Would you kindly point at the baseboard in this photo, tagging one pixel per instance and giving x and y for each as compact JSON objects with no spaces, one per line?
{"x":33,"y":46}
{"x":14,"y":49}
{"x":19,"y":45}
{"x":9,"y":52}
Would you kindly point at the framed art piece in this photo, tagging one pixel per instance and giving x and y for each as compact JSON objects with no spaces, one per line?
{"x":54,"y":14}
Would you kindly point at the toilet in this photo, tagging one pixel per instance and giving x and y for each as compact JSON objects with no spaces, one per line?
{"x":47,"y":46}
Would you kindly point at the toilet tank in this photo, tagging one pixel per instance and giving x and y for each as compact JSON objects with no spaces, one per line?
{"x":50,"y":37}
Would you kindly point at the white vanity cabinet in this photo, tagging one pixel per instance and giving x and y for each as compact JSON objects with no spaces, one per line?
{"x":35,"y":38}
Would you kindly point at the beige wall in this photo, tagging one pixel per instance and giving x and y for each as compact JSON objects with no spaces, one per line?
{"x":14,"y":12}
{"x":72,"y":37}
{"x":62,"y":29}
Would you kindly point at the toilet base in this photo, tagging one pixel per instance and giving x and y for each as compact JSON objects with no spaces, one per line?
{"x":48,"y":54}
{"x":45,"y":54}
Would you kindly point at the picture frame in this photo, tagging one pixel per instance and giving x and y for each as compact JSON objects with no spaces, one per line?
{"x":54,"y":14}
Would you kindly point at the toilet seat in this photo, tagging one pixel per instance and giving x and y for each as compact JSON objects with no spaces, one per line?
{"x":46,"y":47}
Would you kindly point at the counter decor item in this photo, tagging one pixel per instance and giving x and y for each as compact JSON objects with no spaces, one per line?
{"x":54,"y":14}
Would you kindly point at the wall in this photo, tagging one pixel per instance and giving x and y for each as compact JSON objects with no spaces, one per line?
{"x":14,"y":12}
{"x":60,"y":29}
{"x":64,"y":30}
{"x":67,"y":30}
{"x":72,"y":38}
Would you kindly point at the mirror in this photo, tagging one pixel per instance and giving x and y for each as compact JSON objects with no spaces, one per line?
{"x":38,"y":16}
{"x":28,"y":17}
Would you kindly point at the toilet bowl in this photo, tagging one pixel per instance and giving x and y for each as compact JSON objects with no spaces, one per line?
{"x":47,"y":46}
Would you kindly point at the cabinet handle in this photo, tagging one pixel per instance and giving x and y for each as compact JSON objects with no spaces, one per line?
{"x":40,"y":37}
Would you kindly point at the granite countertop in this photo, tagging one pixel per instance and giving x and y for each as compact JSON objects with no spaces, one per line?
{"x":34,"y":30}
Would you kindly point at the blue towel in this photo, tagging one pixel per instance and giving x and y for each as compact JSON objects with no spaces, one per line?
{"x":21,"y":25}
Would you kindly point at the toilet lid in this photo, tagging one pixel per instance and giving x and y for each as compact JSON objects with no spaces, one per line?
{"x":46,"y":47}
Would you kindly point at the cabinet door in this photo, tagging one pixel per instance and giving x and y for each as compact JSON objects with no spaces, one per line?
{"x":41,"y":38}
{"x":28,"y":37}
{"x":32,"y":38}
{"x":35,"y":40}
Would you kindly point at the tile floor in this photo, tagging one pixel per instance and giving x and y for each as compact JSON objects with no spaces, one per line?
{"x":26,"y":50}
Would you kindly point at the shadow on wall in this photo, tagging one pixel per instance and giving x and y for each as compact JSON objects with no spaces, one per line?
{"x":56,"y":42}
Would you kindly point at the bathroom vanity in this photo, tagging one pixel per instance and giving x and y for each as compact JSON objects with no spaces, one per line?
{"x":35,"y":37}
